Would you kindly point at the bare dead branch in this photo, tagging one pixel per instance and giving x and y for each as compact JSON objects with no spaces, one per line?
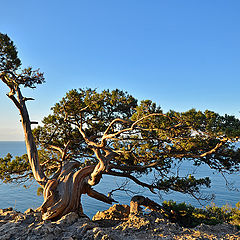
{"x":27,"y":99}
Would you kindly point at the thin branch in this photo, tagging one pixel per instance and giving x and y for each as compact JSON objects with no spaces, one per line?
{"x":55,"y":148}
{"x":133,"y":168}
{"x":127,"y":175}
{"x":64,"y":154}
{"x":113,"y":122}
{"x":27,"y":99}
{"x":122,"y":187}
{"x":113,"y":135}
{"x":50,"y":160}
{"x":190,"y":155}
{"x":214,"y":149}
{"x":147,"y":116}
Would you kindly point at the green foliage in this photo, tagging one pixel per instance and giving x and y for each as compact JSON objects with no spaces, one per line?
{"x":15,"y":170}
{"x":180,"y":213}
{"x":143,"y":139}
{"x":157,"y":144}
{"x":162,"y":141}
{"x":188,"y":216}
{"x":10,"y":64}
{"x":9,"y":60}
{"x":234,"y":214}
{"x":188,"y":184}
{"x":18,"y":170}
{"x":99,"y":110}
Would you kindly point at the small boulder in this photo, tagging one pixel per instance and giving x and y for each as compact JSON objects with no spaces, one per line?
{"x":68,"y":219}
{"x":116,"y":212}
{"x":29,"y":210}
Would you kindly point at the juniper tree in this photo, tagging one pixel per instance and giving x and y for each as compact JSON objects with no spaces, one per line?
{"x":91,"y":133}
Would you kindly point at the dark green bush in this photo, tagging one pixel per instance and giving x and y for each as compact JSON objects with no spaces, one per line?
{"x":188,"y":216}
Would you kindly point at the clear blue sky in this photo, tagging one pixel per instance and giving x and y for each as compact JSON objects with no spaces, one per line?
{"x":181,"y":54}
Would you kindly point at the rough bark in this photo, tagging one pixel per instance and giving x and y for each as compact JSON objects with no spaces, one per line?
{"x":62,"y":193}
{"x":138,"y":201}
{"x":29,"y":139}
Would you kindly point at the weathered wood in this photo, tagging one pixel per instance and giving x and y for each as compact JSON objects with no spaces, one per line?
{"x":62,"y":193}
{"x":138,"y":201}
{"x":29,"y":139}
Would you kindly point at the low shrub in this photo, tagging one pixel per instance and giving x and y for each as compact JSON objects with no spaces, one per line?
{"x":188,"y":216}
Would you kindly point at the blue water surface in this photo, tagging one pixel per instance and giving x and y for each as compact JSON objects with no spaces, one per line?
{"x":21,"y":198}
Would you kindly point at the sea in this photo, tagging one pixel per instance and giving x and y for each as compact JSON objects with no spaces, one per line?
{"x":21,"y":197}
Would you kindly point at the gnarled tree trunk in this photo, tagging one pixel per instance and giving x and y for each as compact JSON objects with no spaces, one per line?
{"x":62,"y":193}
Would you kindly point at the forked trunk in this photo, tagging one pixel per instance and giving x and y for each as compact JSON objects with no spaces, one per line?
{"x":63,"y":193}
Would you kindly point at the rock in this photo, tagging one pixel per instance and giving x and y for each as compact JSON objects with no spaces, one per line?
{"x":116,"y":212}
{"x":97,"y":234}
{"x":83,"y":228}
{"x":6,"y":210}
{"x":5,"y":236}
{"x":68,"y":219}
{"x":28,"y":226}
{"x":29,"y":210}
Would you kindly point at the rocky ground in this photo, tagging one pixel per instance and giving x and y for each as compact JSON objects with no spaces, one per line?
{"x":114,"y":223}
